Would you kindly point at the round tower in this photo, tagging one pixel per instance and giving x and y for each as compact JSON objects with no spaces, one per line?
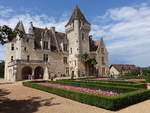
{"x":77,"y":31}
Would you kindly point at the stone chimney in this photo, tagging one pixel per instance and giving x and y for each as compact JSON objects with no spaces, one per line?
{"x":53,"y":29}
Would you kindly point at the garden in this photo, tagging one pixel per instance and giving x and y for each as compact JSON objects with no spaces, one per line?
{"x":108,"y":94}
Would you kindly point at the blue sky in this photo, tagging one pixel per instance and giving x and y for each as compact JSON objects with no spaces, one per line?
{"x":124,"y":24}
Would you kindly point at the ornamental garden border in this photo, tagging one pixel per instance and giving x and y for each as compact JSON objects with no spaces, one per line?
{"x":108,"y":102}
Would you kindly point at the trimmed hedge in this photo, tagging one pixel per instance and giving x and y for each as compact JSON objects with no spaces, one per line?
{"x":117,"y":89}
{"x":107,"y":102}
{"x":117,"y":83}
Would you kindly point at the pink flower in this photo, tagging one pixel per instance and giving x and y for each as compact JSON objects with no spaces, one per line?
{"x":99,"y":92}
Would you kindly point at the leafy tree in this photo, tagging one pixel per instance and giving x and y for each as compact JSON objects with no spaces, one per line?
{"x":136,"y":71}
{"x":7,"y":34}
{"x":88,"y":61}
{"x":146,"y":72}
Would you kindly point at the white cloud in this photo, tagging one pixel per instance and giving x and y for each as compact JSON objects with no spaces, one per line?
{"x":41,"y":21}
{"x":5,"y":11}
{"x":125,"y":29}
{"x":127,"y":33}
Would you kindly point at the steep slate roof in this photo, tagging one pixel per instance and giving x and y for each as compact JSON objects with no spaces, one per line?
{"x":77,"y":14}
{"x":56,"y":37}
{"x":123,"y":67}
{"x":20,"y":27}
{"x":94,"y":44}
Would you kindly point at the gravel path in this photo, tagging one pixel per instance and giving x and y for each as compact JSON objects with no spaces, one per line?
{"x":15,"y":98}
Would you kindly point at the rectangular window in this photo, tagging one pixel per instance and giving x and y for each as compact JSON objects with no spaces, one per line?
{"x":75,"y":62}
{"x":45,"y":46}
{"x":27,"y":40}
{"x":65,"y":47}
{"x":45,"y":57}
{"x":71,"y":50}
{"x":103,"y":61}
{"x":12,"y":47}
{"x":102,"y":50}
{"x":67,"y":70}
{"x":28,"y":58}
{"x":65,"y":60}
{"x":82,"y":36}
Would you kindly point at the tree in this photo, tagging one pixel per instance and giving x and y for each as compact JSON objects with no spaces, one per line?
{"x":136,"y":71}
{"x":88,"y":61}
{"x":7,"y":34}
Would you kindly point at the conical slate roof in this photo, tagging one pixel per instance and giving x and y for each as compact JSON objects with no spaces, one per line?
{"x":77,"y":14}
{"x":20,"y":27}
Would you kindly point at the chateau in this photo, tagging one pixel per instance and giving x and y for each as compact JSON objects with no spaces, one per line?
{"x":45,"y":52}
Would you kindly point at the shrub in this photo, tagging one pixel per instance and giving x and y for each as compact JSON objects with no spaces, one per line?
{"x":107,"y":102}
{"x":117,"y":89}
{"x":113,"y":83}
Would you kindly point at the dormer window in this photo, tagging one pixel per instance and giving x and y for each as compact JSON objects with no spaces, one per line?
{"x":12,"y":47}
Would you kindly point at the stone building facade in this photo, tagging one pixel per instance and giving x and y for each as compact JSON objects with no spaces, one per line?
{"x":45,"y":52}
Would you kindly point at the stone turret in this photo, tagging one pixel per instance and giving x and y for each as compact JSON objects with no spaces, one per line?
{"x":77,"y":31}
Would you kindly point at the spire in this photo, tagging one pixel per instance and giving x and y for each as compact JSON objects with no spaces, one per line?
{"x":31,"y":28}
{"x":77,"y":14}
{"x":20,"y":27}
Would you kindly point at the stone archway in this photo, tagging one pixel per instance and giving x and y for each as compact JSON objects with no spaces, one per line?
{"x":26,"y":71}
{"x":39,"y":72}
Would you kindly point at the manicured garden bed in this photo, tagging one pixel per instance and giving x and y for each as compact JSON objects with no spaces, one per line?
{"x":115,"y":102}
{"x":112,"y":83}
{"x":95,"y":86}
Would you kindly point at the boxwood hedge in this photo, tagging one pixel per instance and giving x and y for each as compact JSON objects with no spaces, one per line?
{"x":113,"y":83}
{"x":117,"y":89}
{"x":107,"y":102}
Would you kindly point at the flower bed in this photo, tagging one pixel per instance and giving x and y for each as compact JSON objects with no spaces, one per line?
{"x":107,"y":102}
{"x":140,"y":80}
{"x":99,"y":92}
